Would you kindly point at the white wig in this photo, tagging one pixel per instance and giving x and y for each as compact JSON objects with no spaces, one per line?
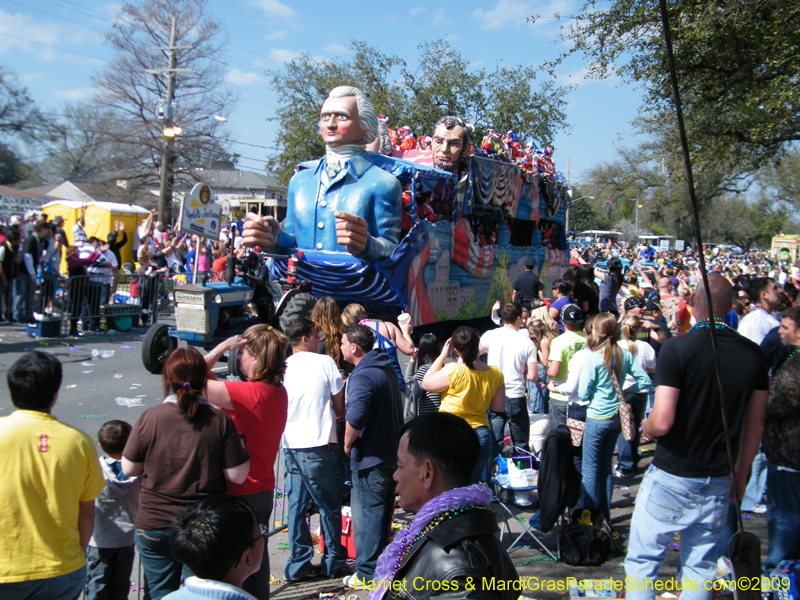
{"x":367,"y":116}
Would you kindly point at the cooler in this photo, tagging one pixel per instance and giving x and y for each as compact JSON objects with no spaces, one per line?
{"x":348,"y":540}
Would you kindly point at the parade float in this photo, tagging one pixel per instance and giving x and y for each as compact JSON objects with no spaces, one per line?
{"x":466,"y":242}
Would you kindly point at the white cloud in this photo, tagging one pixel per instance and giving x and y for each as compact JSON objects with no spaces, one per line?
{"x":280,"y":34}
{"x":336,"y":49}
{"x":440,"y":18}
{"x":505,"y":11}
{"x":41,"y":39}
{"x":77,"y":94}
{"x":452,"y":38}
{"x":237,"y":77}
{"x":30,"y":77}
{"x":516,"y":13}
{"x":274,"y":8}
{"x":284,"y":55}
{"x":415,"y":11}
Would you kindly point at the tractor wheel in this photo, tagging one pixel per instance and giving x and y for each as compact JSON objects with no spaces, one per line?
{"x":298,"y":307}
{"x":157,"y":347}
{"x":234,"y":366}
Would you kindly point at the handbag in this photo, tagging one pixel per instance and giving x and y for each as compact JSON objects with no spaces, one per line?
{"x":576,"y":421}
{"x":626,"y":420}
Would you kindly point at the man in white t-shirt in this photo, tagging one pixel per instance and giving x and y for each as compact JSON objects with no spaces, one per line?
{"x":765,"y":295}
{"x":312,"y":465}
{"x":516,"y":358}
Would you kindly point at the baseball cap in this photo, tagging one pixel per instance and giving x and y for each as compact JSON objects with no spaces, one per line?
{"x":530,"y":262}
{"x":58,"y":220}
{"x":632,"y":302}
{"x":652,"y":305}
{"x":571,"y":314}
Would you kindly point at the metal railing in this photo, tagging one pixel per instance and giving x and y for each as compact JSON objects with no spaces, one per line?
{"x":90,"y":303}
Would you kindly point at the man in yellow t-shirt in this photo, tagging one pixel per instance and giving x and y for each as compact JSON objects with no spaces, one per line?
{"x":562,"y":349}
{"x":51,"y":476}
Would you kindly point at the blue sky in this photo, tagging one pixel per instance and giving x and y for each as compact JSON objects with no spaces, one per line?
{"x":55,"y":46}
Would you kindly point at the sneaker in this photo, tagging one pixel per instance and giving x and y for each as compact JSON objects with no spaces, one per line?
{"x":352,"y":582}
{"x":620,"y":474}
{"x":759,"y":509}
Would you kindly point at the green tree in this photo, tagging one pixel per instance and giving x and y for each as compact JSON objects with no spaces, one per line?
{"x":737,"y":64}
{"x":584,"y":215}
{"x":18,"y":113}
{"x":747,"y":224}
{"x":305,"y":82}
{"x":12,"y":168}
{"x":781,"y":179}
{"x":441,"y":84}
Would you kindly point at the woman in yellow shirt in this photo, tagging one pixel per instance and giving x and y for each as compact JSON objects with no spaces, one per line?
{"x":469,"y":387}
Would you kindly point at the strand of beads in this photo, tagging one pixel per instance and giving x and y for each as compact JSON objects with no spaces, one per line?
{"x":706,"y":324}
{"x":408,"y":544}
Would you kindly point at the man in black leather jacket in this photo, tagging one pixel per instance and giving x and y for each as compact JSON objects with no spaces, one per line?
{"x":451,"y":549}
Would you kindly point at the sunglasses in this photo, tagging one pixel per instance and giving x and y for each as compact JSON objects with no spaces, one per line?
{"x":264,"y":532}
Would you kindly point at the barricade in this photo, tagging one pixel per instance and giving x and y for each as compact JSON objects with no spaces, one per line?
{"x":105,"y":302}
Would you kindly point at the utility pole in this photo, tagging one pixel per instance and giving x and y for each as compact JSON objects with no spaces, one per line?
{"x":165,"y":189}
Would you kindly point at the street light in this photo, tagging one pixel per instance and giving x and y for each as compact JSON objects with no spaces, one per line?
{"x":174,"y":130}
{"x":169,"y":133}
{"x":638,"y":206}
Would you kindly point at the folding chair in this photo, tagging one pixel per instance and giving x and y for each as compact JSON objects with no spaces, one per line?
{"x":517,"y":497}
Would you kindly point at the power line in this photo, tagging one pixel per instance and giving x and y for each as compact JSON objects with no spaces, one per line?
{"x":16,"y":37}
{"x":44,"y":12}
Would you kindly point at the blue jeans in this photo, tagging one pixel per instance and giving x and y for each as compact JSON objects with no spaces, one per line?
{"x":162,"y":573}
{"x":24,"y":290}
{"x":599,"y":441}
{"x":754,"y":493}
{"x":628,"y":457}
{"x":538,"y":393}
{"x":109,"y":576}
{"x":516,"y":414}
{"x":665,"y":505}
{"x":314,"y":473}
{"x":64,"y":587}
{"x":372,"y":503}
{"x":783,"y":517}
{"x":483,"y":468}
{"x":258,"y":583}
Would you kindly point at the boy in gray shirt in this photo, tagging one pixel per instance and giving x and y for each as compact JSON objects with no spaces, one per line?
{"x":110,"y":554}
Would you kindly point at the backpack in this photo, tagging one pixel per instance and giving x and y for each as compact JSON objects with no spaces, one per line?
{"x":586,"y":545}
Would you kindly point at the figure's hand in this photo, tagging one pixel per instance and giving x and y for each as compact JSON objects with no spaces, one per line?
{"x":120,"y":226}
{"x":496,"y":305}
{"x":351,"y":231}
{"x":260,"y":231}
{"x":446,"y":348}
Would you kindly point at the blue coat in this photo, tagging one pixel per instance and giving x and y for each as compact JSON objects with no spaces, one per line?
{"x":360,"y":188}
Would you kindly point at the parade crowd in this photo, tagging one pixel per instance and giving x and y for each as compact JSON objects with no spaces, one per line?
{"x":615,"y":353}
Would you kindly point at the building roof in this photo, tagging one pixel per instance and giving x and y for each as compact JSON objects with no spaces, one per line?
{"x":222,"y":179}
{"x":34,"y":194}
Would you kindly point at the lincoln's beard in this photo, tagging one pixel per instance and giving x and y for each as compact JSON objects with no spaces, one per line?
{"x":445,"y":165}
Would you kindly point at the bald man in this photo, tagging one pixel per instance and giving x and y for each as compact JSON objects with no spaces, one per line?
{"x":687,"y":487}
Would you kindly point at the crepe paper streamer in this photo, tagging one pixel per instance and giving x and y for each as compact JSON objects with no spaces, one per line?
{"x":128,"y":347}
{"x":675,"y":546}
{"x":282,"y":547}
{"x":74,"y":385}
{"x":74,"y":348}
{"x":609,"y":202}
{"x":94,"y":416}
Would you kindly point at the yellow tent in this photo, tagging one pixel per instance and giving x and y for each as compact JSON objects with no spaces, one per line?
{"x":101,"y":219}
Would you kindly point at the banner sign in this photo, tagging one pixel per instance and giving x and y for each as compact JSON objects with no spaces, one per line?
{"x":199,"y":214}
